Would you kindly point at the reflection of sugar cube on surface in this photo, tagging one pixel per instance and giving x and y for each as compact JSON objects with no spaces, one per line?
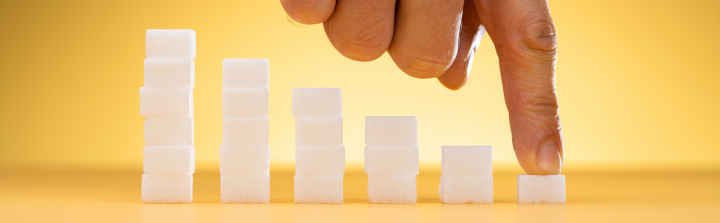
{"x":246,"y":73}
{"x":318,"y":189}
{"x":392,"y":189}
{"x":392,"y":160}
{"x":164,"y":130}
{"x":245,"y":102}
{"x":467,"y":160}
{"x":320,"y":160}
{"x":170,"y":43}
{"x":246,"y":131}
{"x":466,"y":189}
{"x":319,"y":131}
{"x":390,"y":131}
{"x":169,"y":159}
{"x":541,"y":189}
{"x":166,"y":101}
{"x":244,"y":160}
{"x":166,"y":189}
{"x":245,"y":189}
{"x":169,"y":72}
{"x":317,"y":102}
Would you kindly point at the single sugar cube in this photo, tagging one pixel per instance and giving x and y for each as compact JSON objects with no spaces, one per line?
{"x":392,"y":160}
{"x":246,"y":131}
{"x":167,"y":188}
{"x":166,"y":101}
{"x":245,"y":189}
{"x":168,"y":159}
{"x":319,"y":189}
{"x":392,"y":189}
{"x":320,"y":160}
{"x":390,"y":131}
{"x":541,"y":189}
{"x":167,"y":130}
{"x":245,"y":102}
{"x":170,"y":43}
{"x":466,"y":189}
{"x":244,"y":160}
{"x":317,"y":102}
{"x":250,"y":73}
{"x":467,"y":160}
{"x":319,"y":131}
{"x":169,"y":72}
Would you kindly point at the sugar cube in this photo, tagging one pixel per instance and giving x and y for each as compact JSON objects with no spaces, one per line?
{"x":244,"y":160}
{"x":390,"y":131}
{"x":467,"y":160}
{"x":318,"y":189}
{"x":250,"y":73}
{"x":167,"y":130}
{"x":319,"y":131}
{"x":392,"y":160}
{"x":466,"y":189}
{"x":320,"y":160}
{"x":317,"y":102}
{"x":169,"y":72}
{"x":170,"y":43}
{"x":166,"y":189}
{"x":246,"y":131}
{"x":166,"y":101}
{"x":392,"y":189}
{"x":541,"y":189}
{"x":168,"y":159}
{"x":245,"y":102}
{"x":245,"y":189}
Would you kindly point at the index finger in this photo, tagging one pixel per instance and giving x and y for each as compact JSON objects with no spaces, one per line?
{"x":309,"y":11}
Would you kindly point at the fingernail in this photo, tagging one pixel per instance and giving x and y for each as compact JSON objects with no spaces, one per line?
{"x":548,"y":158}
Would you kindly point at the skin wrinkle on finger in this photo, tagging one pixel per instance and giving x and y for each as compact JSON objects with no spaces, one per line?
{"x":425,"y":42}
{"x":361,"y":30}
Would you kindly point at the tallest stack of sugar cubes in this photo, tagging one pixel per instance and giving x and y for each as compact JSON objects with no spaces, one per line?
{"x":166,"y":101}
{"x":245,"y":153}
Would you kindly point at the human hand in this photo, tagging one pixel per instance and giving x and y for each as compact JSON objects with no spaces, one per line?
{"x":438,"y":38}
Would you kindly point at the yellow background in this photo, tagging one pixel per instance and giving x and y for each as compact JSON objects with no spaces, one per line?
{"x":637,"y":83}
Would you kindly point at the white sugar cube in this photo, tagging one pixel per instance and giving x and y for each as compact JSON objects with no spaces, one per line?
{"x":244,"y":160}
{"x":318,"y":189}
{"x":166,"y":101}
{"x":392,"y":189}
{"x":319,"y":131}
{"x":167,"y":189}
{"x":251,"y":73}
{"x":466,"y":189}
{"x":245,"y":189}
{"x":541,"y":189}
{"x":168,"y":159}
{"x":169,"y":72}
{"x":246,"y":131}
{"x":392,"y":160}
{"x":320,"y":160}
{"x":390,"y":131}
{"x":245,"y":102}
{"x":170,"y":43}
{"x":166,"y":130}
{"x":467,"y":160}
{"x":317,"y":102}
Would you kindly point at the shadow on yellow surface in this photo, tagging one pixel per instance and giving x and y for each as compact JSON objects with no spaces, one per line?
{"x":115,"y":197}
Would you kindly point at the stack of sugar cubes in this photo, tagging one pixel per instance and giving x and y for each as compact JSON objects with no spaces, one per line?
{"x":166,"y":101}
{"x":466,"y":175}
{"x":245,"y":153}
{"x":392,"y":159}
{"x":320,"y":154}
